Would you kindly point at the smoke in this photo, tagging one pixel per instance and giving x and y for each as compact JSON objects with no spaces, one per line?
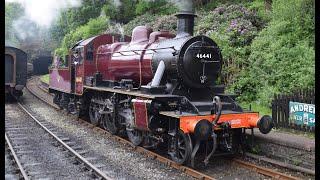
{"x":117,"y":3}
{"x":25,"y":28}
{"x":44,"y":12}
{"x":184,"y":5}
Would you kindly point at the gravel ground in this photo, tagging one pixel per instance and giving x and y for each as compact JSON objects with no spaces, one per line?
{"x":223,"y":168}
{"x":111,"y":153}
{"x":40,"y":158}
{"x":283,"y":153}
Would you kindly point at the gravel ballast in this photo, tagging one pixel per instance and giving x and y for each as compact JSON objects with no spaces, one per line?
{"x":36,"y":150}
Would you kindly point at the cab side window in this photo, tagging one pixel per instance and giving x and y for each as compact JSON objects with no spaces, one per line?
{"x":67,"y":60}
{"x":89,"y":55}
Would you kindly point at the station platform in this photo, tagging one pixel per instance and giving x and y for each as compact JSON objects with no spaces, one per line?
{"x":285,"y":138}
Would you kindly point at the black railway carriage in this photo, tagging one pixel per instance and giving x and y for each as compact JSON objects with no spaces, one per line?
{"x":15,"y":71}
{"x":41,"y":65}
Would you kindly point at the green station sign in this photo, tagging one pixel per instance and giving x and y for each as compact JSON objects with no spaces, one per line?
{"x":301,"y":113}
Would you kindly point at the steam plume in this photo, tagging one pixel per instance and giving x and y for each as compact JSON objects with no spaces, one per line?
{"x":43,"y":12}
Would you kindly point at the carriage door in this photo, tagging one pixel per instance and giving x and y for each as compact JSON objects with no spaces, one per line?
{"x":9,"y":69}
{"x":78,"y":57}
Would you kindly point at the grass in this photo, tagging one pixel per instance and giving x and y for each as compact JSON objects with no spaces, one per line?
{"x":45,"y":78}
{"x":263,"y":110}
{"x":310,"y":135}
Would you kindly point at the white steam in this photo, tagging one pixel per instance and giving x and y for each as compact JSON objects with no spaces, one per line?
{"x":117,"y":3}
{"x":44,"y":12}
{"x":25,"y":28}
{"x":184,"y":5}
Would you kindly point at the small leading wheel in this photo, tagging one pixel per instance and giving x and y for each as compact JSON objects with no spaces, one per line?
{"x":180,"y":148}
{"x":135,"y":136}
{"x":109,"y":123}
{"x":94,"y":114}
{"x":238,"y":145}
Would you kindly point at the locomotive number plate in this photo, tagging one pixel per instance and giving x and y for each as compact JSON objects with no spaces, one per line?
{"x":204,"y":55}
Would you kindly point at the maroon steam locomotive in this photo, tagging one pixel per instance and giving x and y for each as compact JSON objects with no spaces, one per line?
{"x":158,"y":88}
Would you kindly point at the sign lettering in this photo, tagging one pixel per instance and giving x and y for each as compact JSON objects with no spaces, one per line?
{"x":301,"y":113}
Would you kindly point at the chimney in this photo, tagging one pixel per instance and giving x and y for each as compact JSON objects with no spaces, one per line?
{"x":185,"y":18}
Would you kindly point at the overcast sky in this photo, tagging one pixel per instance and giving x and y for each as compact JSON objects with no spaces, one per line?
{"x":43,"y":12}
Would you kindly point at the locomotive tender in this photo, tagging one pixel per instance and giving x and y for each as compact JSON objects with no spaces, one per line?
{"x":15,"y":71}
{"x":158,"y":88}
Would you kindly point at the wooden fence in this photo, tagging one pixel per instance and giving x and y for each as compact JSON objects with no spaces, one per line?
{"x":280,"y":108}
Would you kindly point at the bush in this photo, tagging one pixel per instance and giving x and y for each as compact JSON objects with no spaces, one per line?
{"x":122,"y":12}
{"x":144,"y":20}
{"x":233,"y":27}
{"x":282,"y":58}
{"x":159,"y":7}
{"x":167,"y":22}
{"x":92,"y":28}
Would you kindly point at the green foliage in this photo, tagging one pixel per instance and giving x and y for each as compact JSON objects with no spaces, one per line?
{"x":92,"y":28}
{"x":282,"y":58}
{"x":127,"y":10}
{"x":260,"y":8}
{"x":110,"y":10}
{"x":160,"y":7}
{"x":255,"y":106}
{"x":142,"y":6}
{"x":166,"y":22}
{"x":212,"y":4}
{"x":75,"y":17}
{"x":121,"y":13}
{"x":45,"y":78}
{"x":144,"y":20}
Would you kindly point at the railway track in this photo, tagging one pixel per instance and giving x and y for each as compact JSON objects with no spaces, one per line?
{"x":24,"y":133}
{"x":17,"y":170}
{"x":192,"y":172}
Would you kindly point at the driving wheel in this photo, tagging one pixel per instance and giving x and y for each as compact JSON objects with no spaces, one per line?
{"x":94,"y":114}
{"x":109,"y":123}
{"x":180,"y":148}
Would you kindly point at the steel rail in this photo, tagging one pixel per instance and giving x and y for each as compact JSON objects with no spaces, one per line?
{"x":263,"y":170}
{"x":282,"y":164}
{"x":16,"y":159}
{"x":86,"y":162}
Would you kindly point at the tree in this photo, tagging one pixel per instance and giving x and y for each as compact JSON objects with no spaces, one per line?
{"x":72,"y":18}
{"x":283,"y":55}
{"x":13,"y":11}
{"x":92,"y":28}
